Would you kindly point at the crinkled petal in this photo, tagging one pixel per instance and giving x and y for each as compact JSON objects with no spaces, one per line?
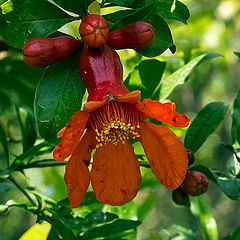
{"x":165,"y":153}
{"x":93,"y":105}
{"x":115,"y":175}
{"x":77,"y":176}
{"x":71,"y":135}
{"x":163,"y":112}
{"x":131,"y":97}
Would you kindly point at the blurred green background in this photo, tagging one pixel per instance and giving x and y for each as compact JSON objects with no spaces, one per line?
{"x":214,"y":26}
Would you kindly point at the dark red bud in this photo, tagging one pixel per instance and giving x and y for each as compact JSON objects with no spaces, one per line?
{"x":41,"y":52}
{"x":191,"y":157}
{"x":101,"y":72}
{"x":195,"y":183}
{"x":137,"y":35}
{"x":94,"y":30}
{"x":179,"y":196}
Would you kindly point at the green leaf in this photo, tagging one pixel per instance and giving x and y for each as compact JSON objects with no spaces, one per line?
{"x":169,"y":9}
{"x":117,"y":16}
{"x":236,"y":234}
{"x":182,"y":74}
{"x":123,"y":3}
{"x":28,"y":127}
{"x":76,"y":6}
{"x":58,"y":97}
{"x":237,"y":54}
{"x":230,"y":185}
{"x":22,"y":20}
{"x":5,"y":172}
{"x":6,"y":186}
{"x":146,"y":207}
{"x":3,"y":141}
{"x":207,"y":219}
{"x":205,"y":123}
{"x":110,"y":229}
{"x":3,"y":208}
{"x":236,"y":119}
{"x":145,"y":79}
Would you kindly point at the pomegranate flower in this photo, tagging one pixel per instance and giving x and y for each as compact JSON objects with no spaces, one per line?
{"x":106,"y":124}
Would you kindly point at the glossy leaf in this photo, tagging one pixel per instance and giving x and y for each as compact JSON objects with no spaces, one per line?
{"x":230,"y":185}
{"x":75,"y":6}
{"x":205,"y":123}
{"x":28,"y":127}
{"x":58,"y":97}
{"x":110,"y":229}
{"x":207,"y":219}
{"x":123,"y":3}
{"x":22,"y":20}
{"x":182,"y":74}
{"x":4,"y":143}
{"x":145,"y":79}
{"x":236,"y":119}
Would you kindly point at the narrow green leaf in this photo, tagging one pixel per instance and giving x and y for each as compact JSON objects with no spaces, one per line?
{"x":208,"y":222}
{"x":3,"y":141}
{"x":236,"y":119}
{"x":5,"y":172}
{"x":75,"y":6}
{"x":123,"y":3}
{"x":23,"y":20}
{"x":120,"y":225}
{"x":145,"y":79}
{"x":28,"y":127}
{"x":205,"y":123}
{"x":58,"y":97}
{"x":230,"y":185}
{"x":182,"y":74}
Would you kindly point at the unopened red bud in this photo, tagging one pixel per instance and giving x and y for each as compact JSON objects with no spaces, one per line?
{"x":94,"y":30}
{"x":191,"y":157}
{"x":195,"y":183}
{"x":137,"y":35}
{"x":179,"y":196}
{"x":41,"y":52}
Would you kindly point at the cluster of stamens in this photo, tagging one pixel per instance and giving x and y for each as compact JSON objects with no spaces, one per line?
{"x":115,"y":122}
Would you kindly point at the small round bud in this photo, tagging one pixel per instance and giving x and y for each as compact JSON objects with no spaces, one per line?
{"x":179,"y":196}
{"x":195,"y":183}
{"x":94,"y":30}
{"x":191,"y":157}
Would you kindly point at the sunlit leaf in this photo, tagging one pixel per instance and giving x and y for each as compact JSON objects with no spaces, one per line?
{"x":30,"y":19}
{"x":145,"y":79}
{"x":230,"y":185}
{"x":205,"y":123}
{"x":207,"y":219}
{"x":236,"y":119}
{"x":58,"y":97}
{"x":28,"y":127}
{"x":4,"y":143}
{"x":182,"y":74}
{"x":37,"y":231}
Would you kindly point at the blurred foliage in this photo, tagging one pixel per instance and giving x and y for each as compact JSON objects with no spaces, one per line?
{"x":210,"y":98}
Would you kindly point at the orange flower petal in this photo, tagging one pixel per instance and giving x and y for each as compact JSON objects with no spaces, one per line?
{"x":93,"y":105}
{"x":162,"y":112}
{"x":115,"y":174}
{"x":60,"y":133}
{"x":131,"y":97}
{"x":77,"y":176}
{"x":165,"y":153}
{"x":71,"y":135}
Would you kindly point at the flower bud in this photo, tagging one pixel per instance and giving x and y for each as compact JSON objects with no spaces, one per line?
{"x":137,"y":35}
{"x":101,"y":72}
{"x":195,"y":183}
{"x":191,"y":157}
{"x":179,"y":196}
{"x":94,"y":30}
{"x":41,"y":52}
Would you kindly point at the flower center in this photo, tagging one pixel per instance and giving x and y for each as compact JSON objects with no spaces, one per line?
{"x":114,"y":122}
